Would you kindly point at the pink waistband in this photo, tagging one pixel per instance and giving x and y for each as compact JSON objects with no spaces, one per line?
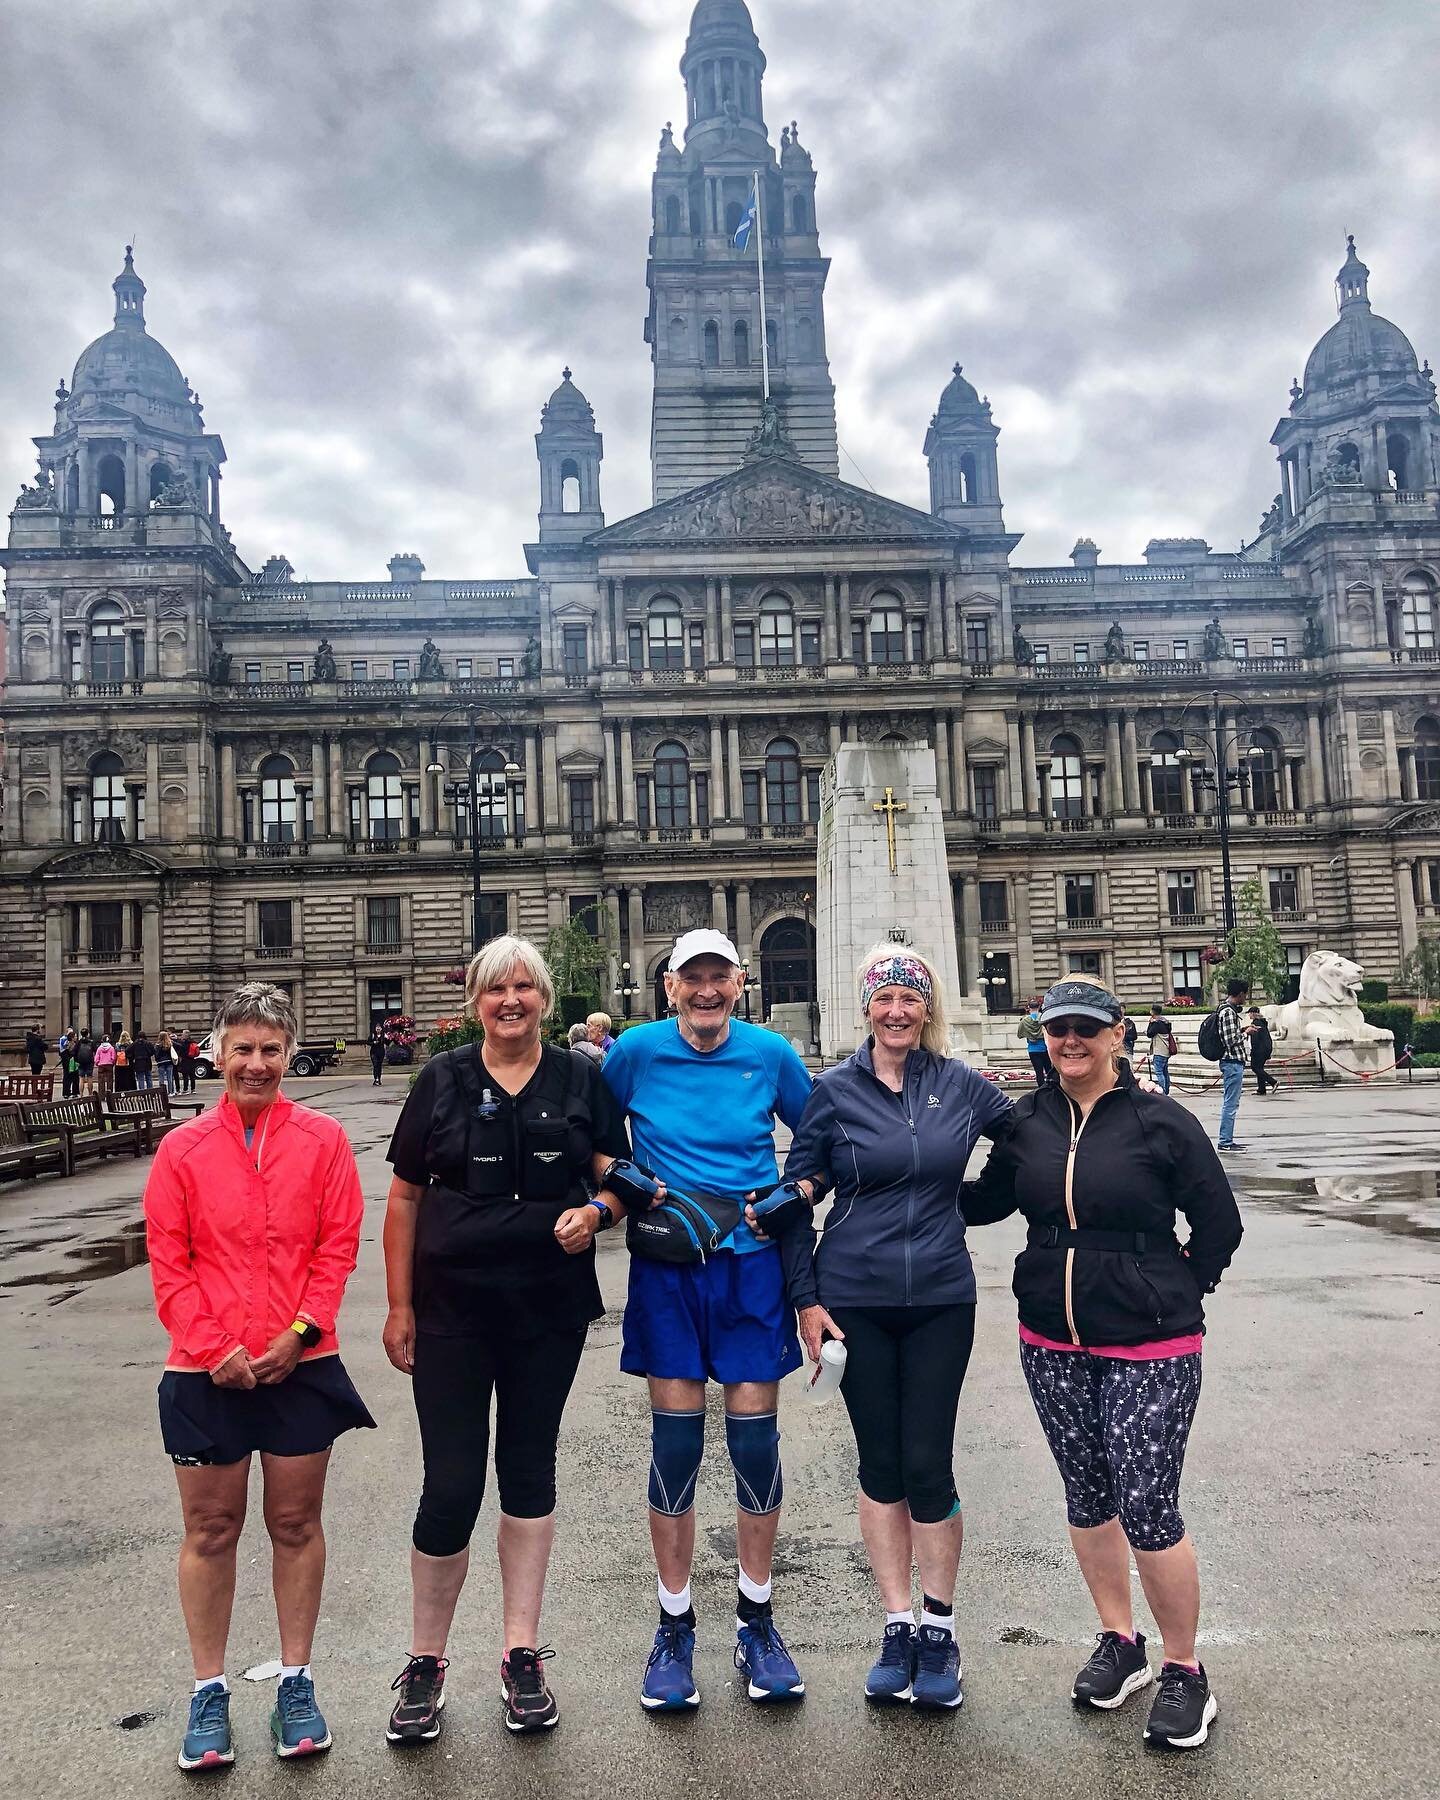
{"x":1176,"y":1346}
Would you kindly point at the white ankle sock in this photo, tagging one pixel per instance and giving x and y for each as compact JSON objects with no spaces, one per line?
{"x":940,"y":1621}
{"x":900,"y":1618}
{"x":674,"y":1604}
{"x":213,"y":1681}
{"x":758,"y":1591}
{"x":289,"y":1669}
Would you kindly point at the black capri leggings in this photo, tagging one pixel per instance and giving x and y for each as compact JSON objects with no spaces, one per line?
{"x":454,"y":1378}
{"x":904,"y":1369}
{"x":1117,"y":1430}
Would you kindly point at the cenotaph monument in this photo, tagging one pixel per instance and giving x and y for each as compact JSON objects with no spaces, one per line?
{"x":883,"y":877}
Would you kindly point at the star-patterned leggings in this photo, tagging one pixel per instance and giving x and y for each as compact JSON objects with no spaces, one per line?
{"x":1117,"y":1430}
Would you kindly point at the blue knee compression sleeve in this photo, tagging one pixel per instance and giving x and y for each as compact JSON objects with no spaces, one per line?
{"x":754,"y":1440}
{"x":677,"y":1443}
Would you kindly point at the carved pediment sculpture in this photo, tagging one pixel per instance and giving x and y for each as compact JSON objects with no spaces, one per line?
{"x":676,"y":907}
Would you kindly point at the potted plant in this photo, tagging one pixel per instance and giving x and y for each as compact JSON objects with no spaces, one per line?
{"x":401,"y":1038}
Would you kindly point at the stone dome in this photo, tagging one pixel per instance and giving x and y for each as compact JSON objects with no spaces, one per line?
{"x":959,"y":396}
{"x":721,"y":15}
{"x":129,"y":360}
{"x":1360,"y":342}
{"x":567,"y":404}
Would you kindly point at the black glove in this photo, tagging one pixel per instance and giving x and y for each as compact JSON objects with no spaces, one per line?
{"x":781,"y":1208}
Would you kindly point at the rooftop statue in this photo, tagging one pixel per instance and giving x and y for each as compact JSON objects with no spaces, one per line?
{"x":39,"y":498}
{"x":1022,"y":649}
{"x":1214,"y":645}
{"x":530,"y":663}
{"x":178,"y":492}
{"x":324,"y":669}
{"x":220,"y":661}
{"x":430,"y":667}
{"x":1115,"y":643}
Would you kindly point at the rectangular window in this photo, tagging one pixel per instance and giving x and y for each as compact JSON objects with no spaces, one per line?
{"x":295,"y":671}
{"x":252,"y":672}
{"x":917,"y":640}
{"x":857,"y":640}
{"x":574,"y":652}
{"x":994,"y":902}
{"x":1187,"y":975}
{"x":1140,"y":650}
{"x":247,"y":815}
{"x":985,"y":781}
{"x":107,"y":930}
{"x":1425,"y":880}
{"x":137,"y":655}
{"x":1181,"y":893}
{"x":1083,"y":962}
{"x":359,"y":669}
{"x":492,"y":914}
{"x":1240,"y":648}
{"x":505,"y":668}
{"x":977,"y":640}
{"x":1181,"y":652}
{"x":1284,"y":889}
{"x":586,"y":909}
{"x":1079,"y":896}
{"x":382,"y":921}
{"x":1279,"y":646}
{"x":1041,"y":653}
{"x":387,"y":998}
{"x":276,"y":928}
{"x":696,"y":636}
{"x":635,"y":647}
{"x":702,"y":800}
{"x":464,"y":668}
{"x":357,"y":813}
{"x":810,"y":644}
{"x":401,"y":668}
{"x":744,"y":646}
{"x":812,"y":796}
{"x":77,"y":816}
{"x":412,"y":810}
{"x":77,"y":657}
{"x":1295,"y":955}
{"x":1081,"y":653}
{"x":642,"y":802}
{"x":582,"y":807}
{"x":750,"y":796}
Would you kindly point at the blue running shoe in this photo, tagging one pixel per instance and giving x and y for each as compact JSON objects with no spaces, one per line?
{"x":761,"y":1656}
{"x":894,"y":1670}
{"x":208,"y":1744}
{"x":669,"y":1684}
{"x":937,"y":1669}
{"x":297,"y":1724}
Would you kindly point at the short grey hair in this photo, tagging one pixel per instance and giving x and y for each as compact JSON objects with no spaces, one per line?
{"x":490,"y":966}
{"x":577,"y":1034}
{"x":257,"y":1003}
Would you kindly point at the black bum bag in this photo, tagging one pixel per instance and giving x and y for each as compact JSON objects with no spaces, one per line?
{"x":683,"y":1228}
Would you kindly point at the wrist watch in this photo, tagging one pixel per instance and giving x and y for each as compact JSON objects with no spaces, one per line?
{"x":607,"y":1218}
{"x":308,"y":1334}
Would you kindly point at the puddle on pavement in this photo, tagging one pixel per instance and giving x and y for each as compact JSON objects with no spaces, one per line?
{"x":1402,"y":1202}
{"x":124,"y":1249}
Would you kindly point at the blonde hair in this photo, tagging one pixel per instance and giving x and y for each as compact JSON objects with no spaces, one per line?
{"x":494,"y":961}
{"x":599,"y":1018}
{"x":257,"y":1003}
{"x":934,"y":1033}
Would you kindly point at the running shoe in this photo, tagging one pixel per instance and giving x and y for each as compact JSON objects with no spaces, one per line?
{"x":669,"y":1684}
{"x":1116,"y":1670}
{"x":208,"y":1744}
{"x":937,"y":1669}
{"x":529,"y":1704}
{"x":297,"y":1724}
{"x":761,"y":1657}
{"x":415,"y":1717}
{"x":894,"y":1669}
{"x":1182,"y":1710}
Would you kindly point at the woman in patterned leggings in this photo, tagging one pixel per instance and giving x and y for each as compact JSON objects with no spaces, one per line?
{"x":1111,"y":1323}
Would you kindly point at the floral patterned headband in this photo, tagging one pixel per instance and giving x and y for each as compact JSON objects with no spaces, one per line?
{"x":895,"y":971}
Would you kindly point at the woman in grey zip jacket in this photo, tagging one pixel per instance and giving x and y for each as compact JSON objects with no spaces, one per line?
{"x":890,"y":1130}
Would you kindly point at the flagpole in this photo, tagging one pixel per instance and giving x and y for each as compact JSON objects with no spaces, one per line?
{"x":764,"y":334}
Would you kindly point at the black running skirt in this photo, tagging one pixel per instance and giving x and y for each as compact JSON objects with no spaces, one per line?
{"x":201,"y":1423}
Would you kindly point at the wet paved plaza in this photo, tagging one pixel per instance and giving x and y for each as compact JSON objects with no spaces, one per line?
{"x":1311,"y":1488}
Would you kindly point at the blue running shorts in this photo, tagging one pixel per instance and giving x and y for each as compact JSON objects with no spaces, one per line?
{"x":726,"y":1319}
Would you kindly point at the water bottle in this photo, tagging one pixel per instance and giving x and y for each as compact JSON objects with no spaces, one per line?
{"x":828,"y":1371}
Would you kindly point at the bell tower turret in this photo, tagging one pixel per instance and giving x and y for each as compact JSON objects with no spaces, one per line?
{"x":569,"y":448}
{"x":964,"y":468}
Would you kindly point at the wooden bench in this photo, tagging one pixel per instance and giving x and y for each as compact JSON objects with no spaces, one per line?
{"x":152,"y":1108}
{"x":18,"y":1156}
{"x":15,"y":1085}
{"x":82,"y":1128}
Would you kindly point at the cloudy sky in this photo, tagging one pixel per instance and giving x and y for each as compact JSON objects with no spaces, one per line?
{"x":373,"y":234}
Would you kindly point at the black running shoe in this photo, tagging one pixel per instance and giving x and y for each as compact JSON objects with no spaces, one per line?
{"x":1183,"y":1709}
{"x":415,"y":1717}
{"x":1116,"y":1670}
{"x":529,"y":1704}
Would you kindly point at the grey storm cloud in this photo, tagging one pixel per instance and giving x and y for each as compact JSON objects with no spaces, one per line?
{"x":373,"y":235}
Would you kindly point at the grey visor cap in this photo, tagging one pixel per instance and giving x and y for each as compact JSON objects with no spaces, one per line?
{"x":1080,"y":999}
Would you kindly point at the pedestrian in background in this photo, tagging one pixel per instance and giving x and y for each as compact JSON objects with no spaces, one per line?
{"x":185,"y":1062}
{"x":1234,"y":1054}
{"x":85,"y":1048}
{"x":104,"y":1061}
{"x":1033,"y":1034}
{"x":165,"y":1061}
{"x":579,"y":1039}
{"x":1162,"y":1046}
{"x":597,"y":1027}
{"x":35,"y":1048}
{"x":377,"y":1053}
{"x":142,"y":1060}
{"x":1262,"y":1048}
{"x":1132,"y":1032}
{"x":124,"y":1064}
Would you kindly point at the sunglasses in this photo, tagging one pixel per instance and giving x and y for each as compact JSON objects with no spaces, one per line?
{"x":1083,"y":1028}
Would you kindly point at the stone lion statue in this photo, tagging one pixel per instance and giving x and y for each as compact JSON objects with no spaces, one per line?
{"x":1328,"y":1010}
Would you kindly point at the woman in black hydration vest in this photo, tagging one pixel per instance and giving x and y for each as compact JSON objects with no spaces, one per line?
{"x":891,"y":1129}
{"x":490,"y":1268}
{"x":1111,"y":1321}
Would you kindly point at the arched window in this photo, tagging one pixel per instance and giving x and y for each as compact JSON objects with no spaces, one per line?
{"x":569,"y":486}
{"x":672,"y":788}
{"x":1427,"y":759}
{"x":782,"y":782}
{"x":712,"y":344}
{"x":107,"y":798}
{"x":1397,"y":459}
{"x":969,"y":490}
{"x":492,"y":797}
{"x":161,"y":476}
{"x":1265,"y":770}
{"x":1167,"y":775}
{"x":384,"y":801}
{"x":734,"y":212}
{"x":787,"y":965}
{"x":277,"y":800}
{"x":666,"y":634}
{"x":777,"y":633}
{"x":887,"y":630}
{"x":772,"y":342}
{"x":679,"y":344}
{"x":672,"y":215}
{"x":799,"y":214}
{"x":742,"y":344}
{"x":110,"y":486}
{"x":107,"y":642}
{"x":1417,"y":613}
{"x":1067,"y":778}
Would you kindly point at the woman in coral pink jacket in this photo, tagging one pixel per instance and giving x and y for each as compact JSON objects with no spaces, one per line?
{"x":252,"y":1217}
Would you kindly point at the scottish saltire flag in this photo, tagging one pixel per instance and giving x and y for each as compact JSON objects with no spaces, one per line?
{"x":741,"y":240}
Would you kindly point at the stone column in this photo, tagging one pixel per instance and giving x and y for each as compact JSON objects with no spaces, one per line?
{"x":718,"y":803}
{"x":836,"y":735}
{"x":611,"y":788}
{"x":1024,"y":943}
{"x":960,"y":779}
{"x":742,"y":919}
{"x":712,"y":618}
{"x":969,"y":932}
{"x":627,"y":772}
{"x":229,"y":808}
{"x":554,"y":908}
{"x":552,"y":779}
{"x":54,"y":970}
{"x":1392,"y":753}
{"x":427,"y":788}
{"x":132,"y":479}
{"x":1015,"y":781}
{"x":1405,"y":905}
{"x":607,"y":624}
{"x":719,"y":914}
{"x":1029,"y":772}
{"x":943,"y":774}
{"x":531,"y":800}
{"x":842,"y":613}
{"x":1130,"y":763}
{"x":610,"y":900}
{"x":829,"y":628}
{"x":151,"y":998}
{"x":1114,"y":795}
{"x":732,"y":744}
{"x":947,"y":618}
{"x":725,"y":649}
{"x":55,"y":821}
{"x":935,"y":627}
{"x":635,"y":908}
{"x":336,"y":820}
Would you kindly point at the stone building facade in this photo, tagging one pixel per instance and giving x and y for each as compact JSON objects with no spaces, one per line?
{"x":213,"y":774}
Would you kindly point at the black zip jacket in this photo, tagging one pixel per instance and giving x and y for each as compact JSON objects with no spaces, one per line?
{"x":1102,"y":1265}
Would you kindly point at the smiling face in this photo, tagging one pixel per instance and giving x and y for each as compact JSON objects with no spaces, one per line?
{"x":253,"y":1060}
{"x":510,"y":1012}
{"x":1083,"y":1062}
{"x":703,"y":992}
{"x":897,"y":1017}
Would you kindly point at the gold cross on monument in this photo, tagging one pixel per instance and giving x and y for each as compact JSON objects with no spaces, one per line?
{"x":890,"y":806}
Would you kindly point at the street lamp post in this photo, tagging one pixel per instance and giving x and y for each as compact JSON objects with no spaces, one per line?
{"x":452,"y":791}
{"x":626,"y":989}
{"x":1222,"y":779}
{"x":745,"y":973}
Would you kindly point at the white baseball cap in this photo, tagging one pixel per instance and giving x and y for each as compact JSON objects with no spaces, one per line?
{"x":702,"y":943}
